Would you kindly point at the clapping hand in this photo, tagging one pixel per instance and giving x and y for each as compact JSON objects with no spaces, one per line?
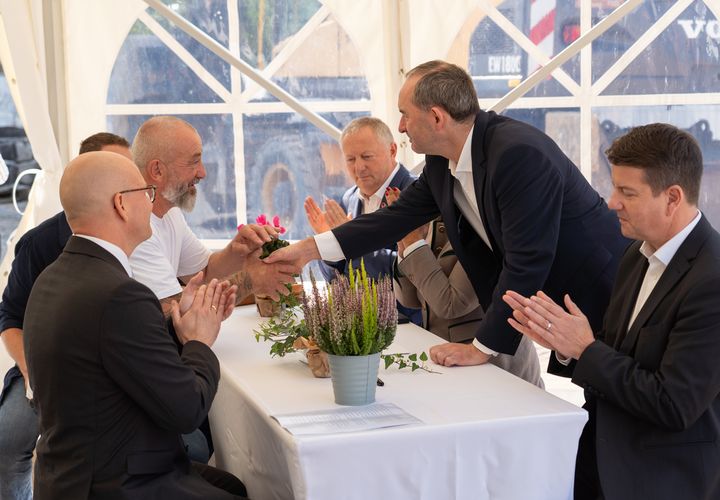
{"x":322,"y":221}
{"x":545,"y":322}
{"x":227,"y":299}
{"x":210,"y":305}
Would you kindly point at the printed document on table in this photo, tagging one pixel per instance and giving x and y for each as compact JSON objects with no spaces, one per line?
{"x":350,"y":419}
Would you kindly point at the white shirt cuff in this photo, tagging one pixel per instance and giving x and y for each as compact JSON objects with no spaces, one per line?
{"x":329,"y":247}
{"x":483,"y":348}
{"x":562,"y":359}
{"x":410,"y":249}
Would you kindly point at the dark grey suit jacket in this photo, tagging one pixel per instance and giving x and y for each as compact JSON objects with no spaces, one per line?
{"x":654,"y":391}
{"x":112,"y":392}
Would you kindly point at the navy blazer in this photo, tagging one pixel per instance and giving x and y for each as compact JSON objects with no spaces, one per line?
{"x":654,"y":390}
{"x":549,"y":229}
{"x":380,"y":261}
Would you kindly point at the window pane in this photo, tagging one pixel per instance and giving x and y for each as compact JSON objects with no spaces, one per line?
{"x":214,"y":215}
{"x":703,"y":122}
{"x":684,"y":58}
{"x":265,"y":24}
{"x":326,"y":66}
{"x":17,"y":154}
{"x":212,"y":20}
{"x":287,"y":159}
{"x":498,"y":64}
{"x":147,"y":71}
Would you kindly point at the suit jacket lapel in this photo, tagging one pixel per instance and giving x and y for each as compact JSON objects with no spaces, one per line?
{"x":677,"y":268}
{"x":479,"y":174}
{"x":634,"y":282}
{"x":355,"y":204}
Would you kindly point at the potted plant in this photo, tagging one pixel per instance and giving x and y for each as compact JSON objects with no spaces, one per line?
{"x":353,"y":321}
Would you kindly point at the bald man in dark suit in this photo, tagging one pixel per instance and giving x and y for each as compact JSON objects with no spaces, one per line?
{"x":115,"y":384}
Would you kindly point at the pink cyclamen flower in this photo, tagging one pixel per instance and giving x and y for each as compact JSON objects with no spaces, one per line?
{"x":276,"y":223}
{"x":261,"y":219}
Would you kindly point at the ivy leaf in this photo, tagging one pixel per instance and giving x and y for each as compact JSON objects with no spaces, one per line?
{"x":413,"y":357}
{"x":388,"y":361}
{"x":423,"y":356}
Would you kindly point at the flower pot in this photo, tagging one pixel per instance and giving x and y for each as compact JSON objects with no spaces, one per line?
{"x":354,"y":378}
{"x":266,"y":306}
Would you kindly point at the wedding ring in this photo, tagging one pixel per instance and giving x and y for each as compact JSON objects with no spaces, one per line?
{"x":213,"y":308}
{"x":549,"y":326}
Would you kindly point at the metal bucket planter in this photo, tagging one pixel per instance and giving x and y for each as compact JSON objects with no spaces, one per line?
{"x":354,"y":378}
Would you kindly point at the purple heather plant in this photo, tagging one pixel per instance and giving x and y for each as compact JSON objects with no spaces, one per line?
{"x":357,"y":315}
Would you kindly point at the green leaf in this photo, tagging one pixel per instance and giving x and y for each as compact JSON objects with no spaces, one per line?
{"x":413,"y":357}
{"x":423,"y":356}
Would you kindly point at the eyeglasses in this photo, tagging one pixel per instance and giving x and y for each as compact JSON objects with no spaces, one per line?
{"x":150,"y":190}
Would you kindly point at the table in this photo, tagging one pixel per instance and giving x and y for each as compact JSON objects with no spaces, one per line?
{"x":486,"y":434}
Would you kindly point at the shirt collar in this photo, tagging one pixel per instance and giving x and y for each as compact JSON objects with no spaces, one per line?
{"x":380,"y":193}
{"x":113,"y":249}
{"x":464,"y":163}
{"x":666,"y":252}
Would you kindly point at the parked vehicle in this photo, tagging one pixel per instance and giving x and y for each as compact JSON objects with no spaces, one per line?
{"x":17,"y":153}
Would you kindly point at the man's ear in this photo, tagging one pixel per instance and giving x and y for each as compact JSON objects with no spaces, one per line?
{"x":155,"y":171}
{"x":119,"y":207}
{"x":439,"y":117}
{"x":675,"y":195}
{"x":393,"y":150}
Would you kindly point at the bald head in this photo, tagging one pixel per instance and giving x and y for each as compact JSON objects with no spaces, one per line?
{"x":157,"y":139}
{"x":89,"y":184}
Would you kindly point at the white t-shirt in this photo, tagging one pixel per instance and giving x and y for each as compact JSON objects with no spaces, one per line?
{"x":172,"y":250}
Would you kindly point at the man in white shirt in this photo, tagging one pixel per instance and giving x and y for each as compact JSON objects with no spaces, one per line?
{"x":518,"y":213}
{"x":168,"y":152}
{"x":369,"y":151}
{"x":651,"y":373}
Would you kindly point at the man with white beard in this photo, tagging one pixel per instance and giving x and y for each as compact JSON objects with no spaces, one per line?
{"x":168,"y":152}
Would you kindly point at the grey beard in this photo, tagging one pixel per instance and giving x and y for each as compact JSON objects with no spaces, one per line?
{"x":181,"y":197}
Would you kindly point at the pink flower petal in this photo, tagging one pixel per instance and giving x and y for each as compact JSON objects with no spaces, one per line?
{"x":261,"y":219}
{"x":276,"y":221}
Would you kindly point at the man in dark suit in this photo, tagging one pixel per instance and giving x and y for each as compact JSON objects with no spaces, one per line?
{"x":113,"y":389}
{"x":369,"y":151}
{"x":36,"y":249}
{"x":651,"y":375}
{"x":518,"y":213}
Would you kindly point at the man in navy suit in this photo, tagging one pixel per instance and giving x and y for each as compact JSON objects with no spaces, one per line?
{"x":651,"y":373}
{"x":369,"y":151}
{"x":518,"y":212}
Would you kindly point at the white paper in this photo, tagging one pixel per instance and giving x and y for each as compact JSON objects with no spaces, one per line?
{"x":348,"y":419}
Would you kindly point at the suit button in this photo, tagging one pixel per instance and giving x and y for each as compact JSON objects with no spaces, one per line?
{"x":441,"y":229}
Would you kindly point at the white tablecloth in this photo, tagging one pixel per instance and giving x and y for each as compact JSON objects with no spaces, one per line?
{"x":486,"y":433}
